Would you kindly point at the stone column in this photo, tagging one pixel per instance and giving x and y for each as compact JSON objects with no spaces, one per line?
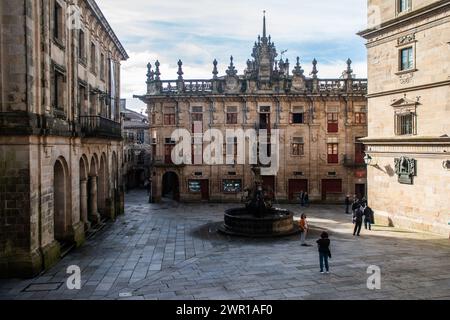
{"x":84,"y":203}
{"x":94,"y":216}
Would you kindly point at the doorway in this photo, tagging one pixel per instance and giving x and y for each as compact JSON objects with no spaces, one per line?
{"x":360,"y":190}
{"x":171,"y":186}
{"x":205,"y":190}
{"x":295,"y":187}
{"x":269,"y":185}
{"x":331,"y":186}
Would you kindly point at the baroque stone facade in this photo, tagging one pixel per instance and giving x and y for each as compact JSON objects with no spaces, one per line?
{"x":60,"y":131}
{"x":409,"y":109}
{"x":319,"y":120}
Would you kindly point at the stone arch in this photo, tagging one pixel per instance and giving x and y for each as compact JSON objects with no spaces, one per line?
{"x":61,"y":199}
{"x":93,"y":170}
{"x":93,"y":215}
{"x":102,"y":185}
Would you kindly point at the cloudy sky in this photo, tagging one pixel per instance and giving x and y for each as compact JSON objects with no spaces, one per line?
{"x":197,"y":31}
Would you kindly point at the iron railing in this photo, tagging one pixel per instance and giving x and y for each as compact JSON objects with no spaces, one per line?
{"x":97,"y":126}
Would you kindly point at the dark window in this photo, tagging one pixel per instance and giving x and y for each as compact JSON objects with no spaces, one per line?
{"x":406,"y":59}
{"x":102,"y":66}
{"x":332,"y":122}
{"x":82,"y":111}
{"x":58,"y":22}
{"x":332,"y":151}
{"x":81,"y":46}
{"x":359,"y":153}
{"x":297,"y":118}
{"x":93,"y":58}
{"x":58,"y":90}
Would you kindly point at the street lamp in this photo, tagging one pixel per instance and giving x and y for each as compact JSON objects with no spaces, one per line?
{"x":368,"y":159}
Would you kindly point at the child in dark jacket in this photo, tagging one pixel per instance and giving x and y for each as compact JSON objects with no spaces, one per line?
{"x":324,"y":251}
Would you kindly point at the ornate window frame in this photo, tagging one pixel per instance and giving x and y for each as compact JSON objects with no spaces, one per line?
{"x":405,"y":106}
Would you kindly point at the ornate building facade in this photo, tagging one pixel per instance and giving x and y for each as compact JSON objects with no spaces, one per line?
{"x":409,"y":109}
{"x":60,"y":131}
{"x":320,"y":121}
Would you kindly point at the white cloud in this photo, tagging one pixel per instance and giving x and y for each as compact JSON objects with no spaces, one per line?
{"x":198,"y":31}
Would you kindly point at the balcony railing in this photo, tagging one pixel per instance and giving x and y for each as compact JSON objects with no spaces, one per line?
{"x":97,"y":126}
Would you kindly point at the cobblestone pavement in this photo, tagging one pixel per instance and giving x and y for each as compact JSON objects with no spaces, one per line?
{"x":173,"y":251}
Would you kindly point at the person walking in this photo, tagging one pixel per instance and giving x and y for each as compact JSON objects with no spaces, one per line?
{"x":303,"y":225}
{"x":324,"y":251}
{"x":347,"y":204}
{"x":358,"y":220}
{"x":355,"y":205}
{"x":302,"y":198}
{"x":368,"y":217}
{"x":306,"y":199}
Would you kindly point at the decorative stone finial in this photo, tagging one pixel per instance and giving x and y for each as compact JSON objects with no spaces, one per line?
{"x":231,"y":69}
{"x":298,"y":71}
{"x":150,"y":73}
{"x":157,"y":73}
{"x":349,"y":66}
{"x":215,"y":72}
{"x":180,"y":70}
{"x":314,"y":71}
{"x":264,"y":24}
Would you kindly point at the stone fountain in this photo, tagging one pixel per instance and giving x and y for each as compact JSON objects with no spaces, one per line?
{"x":258,"y":218}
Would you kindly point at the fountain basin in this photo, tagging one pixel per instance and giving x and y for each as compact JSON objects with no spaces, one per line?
{"x":274,"y":223}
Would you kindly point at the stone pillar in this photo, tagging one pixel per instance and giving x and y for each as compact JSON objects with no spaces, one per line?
{"x":84,"y":204}
{"x":94,"y":216}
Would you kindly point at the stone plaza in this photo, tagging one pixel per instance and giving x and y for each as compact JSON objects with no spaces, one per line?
{"x":172,"y":251}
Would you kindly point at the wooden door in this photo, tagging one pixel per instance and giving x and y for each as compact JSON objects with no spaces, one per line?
{"x":205,"y":189}
{"x":295,"y":187}
{"x":331,"y":186}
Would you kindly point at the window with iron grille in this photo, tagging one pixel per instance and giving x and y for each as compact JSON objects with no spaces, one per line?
{"x":405,"y":123}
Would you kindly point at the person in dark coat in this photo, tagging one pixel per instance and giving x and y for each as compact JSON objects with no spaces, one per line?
{"x":306,"y":199}
{"x":355,"y":205}
{"x":324,"y":251}
{"x":302,"y":198}
{"x":347,"y":204}
{"x":358,"y":220}
{"x":368,"y":217}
